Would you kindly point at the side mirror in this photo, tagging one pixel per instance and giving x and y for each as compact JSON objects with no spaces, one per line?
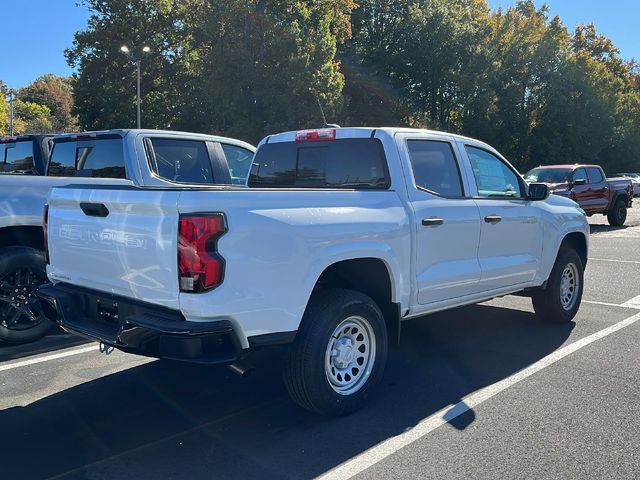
{"x":538,"y":191}
{"x":580,"y":181}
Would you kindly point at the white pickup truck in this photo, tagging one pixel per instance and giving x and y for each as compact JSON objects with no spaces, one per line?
{"x":343,"y":234}
{"x":146,"y":158}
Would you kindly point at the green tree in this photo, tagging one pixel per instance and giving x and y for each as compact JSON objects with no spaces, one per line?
{"x":31,"y":118}
{"x":241,"y":67}
{"x":4,"y":116}
{"x":56,"y":93}
{"x":105,"y":85}
{"x":263,"y":65}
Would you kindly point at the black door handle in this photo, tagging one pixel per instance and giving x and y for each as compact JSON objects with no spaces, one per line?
{"x":94,"y":209}
{"x":493,"y":218}
{"x":432,"y":222}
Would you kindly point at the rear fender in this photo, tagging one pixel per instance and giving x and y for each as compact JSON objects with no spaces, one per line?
{"x":339,"y":253}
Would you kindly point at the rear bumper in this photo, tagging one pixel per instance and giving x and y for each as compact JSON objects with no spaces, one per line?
{"x":138,"y":327}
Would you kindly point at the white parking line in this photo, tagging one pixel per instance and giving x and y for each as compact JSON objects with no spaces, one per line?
{"x":613,"y":260}
{"x":46,"y":358}
{"x":633,"y":303}
{"x":383,"y":450}
{"x":607,"y":304}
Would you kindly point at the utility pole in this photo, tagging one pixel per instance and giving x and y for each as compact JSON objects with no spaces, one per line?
{"x":11,"y":112}
{"x":138,"y":102}
{"x":137,"y":57}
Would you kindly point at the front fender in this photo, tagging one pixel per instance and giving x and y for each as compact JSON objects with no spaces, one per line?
{"x":555,"y":233}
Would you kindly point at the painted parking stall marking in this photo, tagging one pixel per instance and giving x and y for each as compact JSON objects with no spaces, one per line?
{"x":387,"y":448}
{"x":46,"y":358}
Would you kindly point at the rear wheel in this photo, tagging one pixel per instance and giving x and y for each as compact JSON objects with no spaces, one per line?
{"x":339,"y":353}
{"x":22,"y":271}
{"x":560,"y":300}
{"x":618,"y":215}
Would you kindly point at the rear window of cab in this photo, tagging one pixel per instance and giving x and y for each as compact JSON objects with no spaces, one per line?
{"x":100,"y":157}
{"x":17,"y":157}
{"x":350,"y":163}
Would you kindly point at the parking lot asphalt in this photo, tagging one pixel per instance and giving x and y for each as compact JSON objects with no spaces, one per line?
{"x":485,"y":391}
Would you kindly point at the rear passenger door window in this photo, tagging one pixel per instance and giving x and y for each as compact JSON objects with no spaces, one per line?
{"x":595,"y":175}
{"x":184,"y":161}
{"x":435,"y":168}
{"x":239,"y":160}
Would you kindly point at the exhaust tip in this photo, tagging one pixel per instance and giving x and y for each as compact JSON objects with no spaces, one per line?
{"x":242,"y":369}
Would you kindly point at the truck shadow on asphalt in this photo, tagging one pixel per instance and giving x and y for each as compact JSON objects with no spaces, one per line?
{"x":597,"y":228}
{"x":57,"y":339}
{"x":169,"y":420}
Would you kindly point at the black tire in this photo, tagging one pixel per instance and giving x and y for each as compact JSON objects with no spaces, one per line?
{"x":548,"y":302}
{"x":618,"y":214}
{"x":305,"y":374}
{"x":31,"y":264}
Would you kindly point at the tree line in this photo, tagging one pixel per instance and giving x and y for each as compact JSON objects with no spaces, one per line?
{"x":43,"y":106}
{"x":516,"y":78}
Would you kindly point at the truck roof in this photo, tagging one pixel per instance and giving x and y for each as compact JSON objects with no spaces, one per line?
{"x":571,"y":166}
{"x":368,"y":131}
{"x":123,"y":132}
{"x":361,"y":132}
{"x":21,"y":138}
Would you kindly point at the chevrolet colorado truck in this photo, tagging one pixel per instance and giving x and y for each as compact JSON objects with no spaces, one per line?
{"x":25,"y":154}
{"x":342,"y":235}
{"x":588,"y":186}
{"x":124,"y":158}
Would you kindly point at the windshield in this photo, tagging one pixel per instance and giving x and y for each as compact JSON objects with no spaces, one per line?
{"x":548,"y":175}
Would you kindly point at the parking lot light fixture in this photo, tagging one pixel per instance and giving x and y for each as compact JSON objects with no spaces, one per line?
{"x":137,"y":58}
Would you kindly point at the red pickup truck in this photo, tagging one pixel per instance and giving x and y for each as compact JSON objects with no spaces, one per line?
{"x":588,"y":186}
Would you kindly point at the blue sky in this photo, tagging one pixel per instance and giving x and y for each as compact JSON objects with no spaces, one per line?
{"x":35,"y":39}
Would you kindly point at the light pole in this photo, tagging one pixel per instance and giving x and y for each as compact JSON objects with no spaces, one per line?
{"x":138,"y":59}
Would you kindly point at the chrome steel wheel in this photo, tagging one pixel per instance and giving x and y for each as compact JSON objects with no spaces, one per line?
{"x":350,"y":355}
{"x":569,"y":286}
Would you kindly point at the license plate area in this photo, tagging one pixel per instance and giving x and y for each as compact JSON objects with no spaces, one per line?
{"x":107,"y":310}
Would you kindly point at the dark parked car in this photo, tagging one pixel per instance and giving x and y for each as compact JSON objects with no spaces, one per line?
{"x":589,"y":187}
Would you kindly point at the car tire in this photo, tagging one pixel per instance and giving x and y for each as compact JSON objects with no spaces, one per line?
{"x":22,"y":269}
{"x":618,"y":215}
{"x":560,"y":300}
{"x":339,"y":353}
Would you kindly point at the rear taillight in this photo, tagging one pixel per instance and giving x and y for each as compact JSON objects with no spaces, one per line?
{"x":45,"y":226}
{"x":200,"y":267}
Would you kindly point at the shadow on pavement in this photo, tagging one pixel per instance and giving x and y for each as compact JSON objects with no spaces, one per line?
{"x":57,"y":339}
{"x":598,"y":228}
{"x":168,"y":420}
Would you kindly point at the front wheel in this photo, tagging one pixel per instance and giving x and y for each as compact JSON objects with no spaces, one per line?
{"x":339,"y":353}
{"x":618,"y":215}
{"x":22,"y":271}
{"x":560,"y":300}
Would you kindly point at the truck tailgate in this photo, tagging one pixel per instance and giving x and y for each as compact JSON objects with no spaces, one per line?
{"x":117,"y":240}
